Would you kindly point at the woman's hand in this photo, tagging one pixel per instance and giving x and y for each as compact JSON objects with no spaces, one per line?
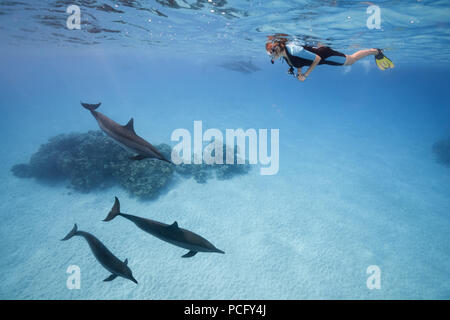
{"x":301,"y":77}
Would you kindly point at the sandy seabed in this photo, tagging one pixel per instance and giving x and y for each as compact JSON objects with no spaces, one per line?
{"x":311,"y":237}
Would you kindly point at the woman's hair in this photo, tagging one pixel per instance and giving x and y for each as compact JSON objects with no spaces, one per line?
{"x":274,"y":42}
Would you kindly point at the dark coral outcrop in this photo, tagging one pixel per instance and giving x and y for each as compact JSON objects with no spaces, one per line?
{"x":94,"y":161}
{"x":202,"y":172}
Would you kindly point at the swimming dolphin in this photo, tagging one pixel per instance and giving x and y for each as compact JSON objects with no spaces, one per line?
{"x":108,"y":260}
{"x":125,"y":135}
{"x":169,"y":233}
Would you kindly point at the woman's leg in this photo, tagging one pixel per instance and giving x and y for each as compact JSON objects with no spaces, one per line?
{"x":352,"y":58}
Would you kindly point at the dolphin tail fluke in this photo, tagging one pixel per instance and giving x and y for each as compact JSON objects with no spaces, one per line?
{"x":91,"y":107}
{"x":114,"y":211}
{"x":71,"y":233}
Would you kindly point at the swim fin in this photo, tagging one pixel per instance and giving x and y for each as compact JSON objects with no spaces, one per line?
{"x":382,"y":61}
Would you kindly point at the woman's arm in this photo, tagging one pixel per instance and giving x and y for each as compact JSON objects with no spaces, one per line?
{"x":302,"y":77}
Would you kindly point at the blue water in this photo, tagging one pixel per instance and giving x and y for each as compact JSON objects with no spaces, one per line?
{"x":358,"y":183}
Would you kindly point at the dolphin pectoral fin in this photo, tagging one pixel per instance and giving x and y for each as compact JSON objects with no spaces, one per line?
{"x":165,"y":160}
{"x":138,"y":157}
{"x":111,"y":277}
{"x":189,"y":254}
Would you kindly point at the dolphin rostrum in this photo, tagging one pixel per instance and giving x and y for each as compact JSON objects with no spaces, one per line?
{"x":108,"y":260}
{"x":170,"y":233}
{"x":125,"y":135}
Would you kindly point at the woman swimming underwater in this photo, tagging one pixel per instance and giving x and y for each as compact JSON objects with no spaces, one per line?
{"x":298,"y":56}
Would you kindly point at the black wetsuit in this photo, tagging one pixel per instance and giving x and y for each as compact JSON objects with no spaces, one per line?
{"x":307,"y":55}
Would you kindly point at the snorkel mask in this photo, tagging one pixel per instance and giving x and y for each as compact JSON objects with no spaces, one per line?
{"x":275,"y":45}
{"x":271,"y":51}
{"x":272,"y":54}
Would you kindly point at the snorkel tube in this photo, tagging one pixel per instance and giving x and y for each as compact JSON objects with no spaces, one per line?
{"x":270,"y":46}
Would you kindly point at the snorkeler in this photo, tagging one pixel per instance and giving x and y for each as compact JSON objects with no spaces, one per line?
{"x":298,"y":56}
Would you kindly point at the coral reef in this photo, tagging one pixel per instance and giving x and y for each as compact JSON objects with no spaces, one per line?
{"x":202,"y":172}
{"x":144,"y":178}
{"x":22,"y":171}
{"x":442,"y":151}
{"x":93,"y":161}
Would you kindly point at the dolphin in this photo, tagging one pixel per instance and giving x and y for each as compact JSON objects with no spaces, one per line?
{"x":108,"y":260}
{"x":170,"y":233}
{"x":125,"y":135}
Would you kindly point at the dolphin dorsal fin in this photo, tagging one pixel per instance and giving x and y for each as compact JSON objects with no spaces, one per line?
{"x":130,"y":126}
{"x":174,"y":226}
{"x":125,"y":261}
